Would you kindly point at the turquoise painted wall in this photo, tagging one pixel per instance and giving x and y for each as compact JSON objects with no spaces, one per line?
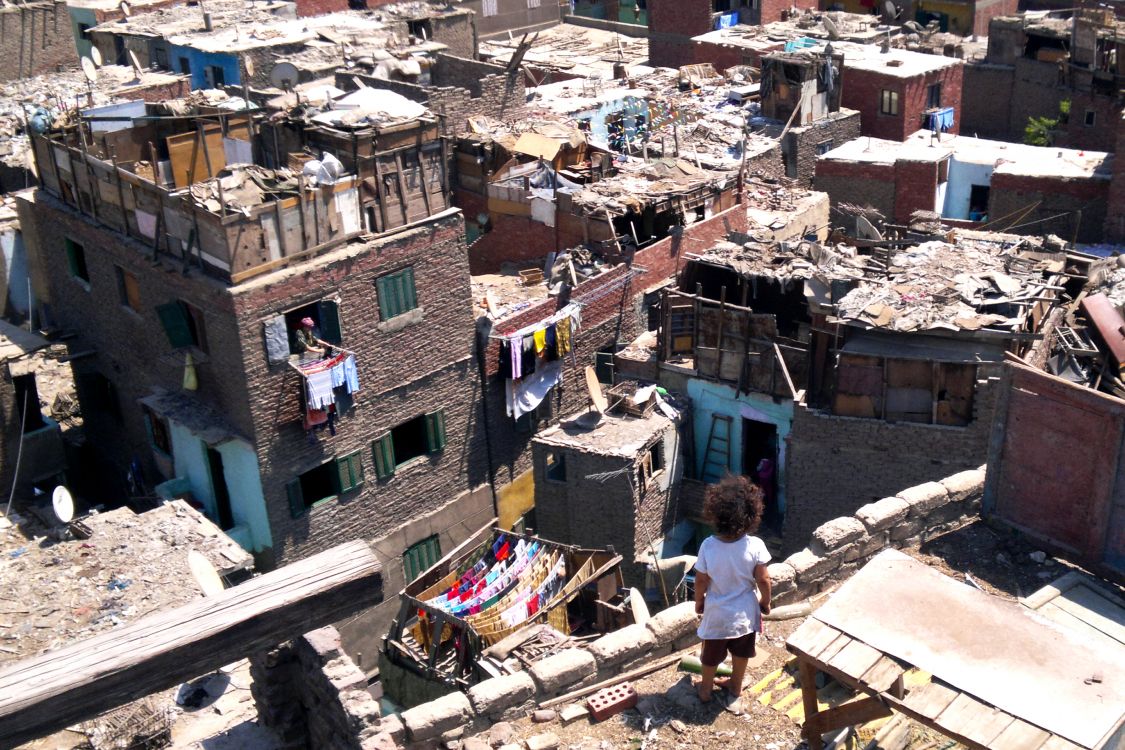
{"x":709,"y":398}
{"x":244,"y":484}
{"x":82,"y":16}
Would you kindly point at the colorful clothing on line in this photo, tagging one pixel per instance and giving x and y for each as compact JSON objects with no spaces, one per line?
{"x":540,"y":338}
{"x":562,"y":336}
{"x":319,"y":389}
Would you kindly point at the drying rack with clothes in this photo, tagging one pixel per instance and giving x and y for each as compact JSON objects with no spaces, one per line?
{"x":325,"y":381}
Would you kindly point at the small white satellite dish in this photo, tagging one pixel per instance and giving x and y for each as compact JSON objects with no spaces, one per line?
{"x":830,"y":27}
{"x":249,"y":67}
{"x":205,"y":574}
{"x":639,"y":606}
{"x":284,"y":76}
{"x":96,"y":56}
{"x":125,"y":9}
{"x":89,"y":69}
{"x":63,"y":504}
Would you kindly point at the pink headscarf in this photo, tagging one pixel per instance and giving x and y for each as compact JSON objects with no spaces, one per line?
{"x":307,"y":322}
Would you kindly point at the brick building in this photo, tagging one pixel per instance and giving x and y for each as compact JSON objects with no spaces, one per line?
{"x":35,"y":38}
{"x":184,"y":303}
{"x":1004,"y":186}
{"x":1115,"y":202}
{"x":1034,"y":64}
{"x":495,"y":17}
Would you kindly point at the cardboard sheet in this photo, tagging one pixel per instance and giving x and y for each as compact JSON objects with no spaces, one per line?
{"x":996,"y":651}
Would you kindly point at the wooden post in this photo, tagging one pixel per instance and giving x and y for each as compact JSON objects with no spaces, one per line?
{"x":90,"y":179}
{"x":379,"y":195}
{"x":425,"y":181}
{"x":206,"y":153}
{"x":402,"y":188}
{"x":77,"y":682}
{"x":807,"y":676}
{"x":120,"y":191}
{"x":301,"y":208}
{"x":722,"y":320}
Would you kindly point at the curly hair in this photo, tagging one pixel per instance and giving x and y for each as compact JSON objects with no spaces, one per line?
{"x":734,"y":506}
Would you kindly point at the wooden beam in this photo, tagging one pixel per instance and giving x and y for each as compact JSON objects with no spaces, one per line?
{"x":845,"y":715}
{"x":807,"y":676}
{"x":77,"y":682}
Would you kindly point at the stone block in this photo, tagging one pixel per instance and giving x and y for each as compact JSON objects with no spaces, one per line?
{"x":325,"y":642}
{"x":573,"y":712}
{"x":782,"y":574}
{"x":875,"y":543}
{"x":622,"y":645}
{"x":673,"y":623}
{"x":838,"y":532}
{"x":545,"y":741}
{"x":882,"y":514}
{"x":906,"y":530}
{"x":964,"y":484}
{"x":501,"y":733}
{"x":344,"y":675}
{"x":811,"y":566}
{"x":475,"y":743}
{"x":431,"y":720}
{"x":498,"y":694}
{"x":922,"y":498}
{"x":944,"y":514}
{"x":381,"y":741}
{"x":562,"y":670}
{"x":393,"y":726}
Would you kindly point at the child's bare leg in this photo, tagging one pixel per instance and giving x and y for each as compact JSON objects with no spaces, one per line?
{"x":733,"y":684}
{"x":707,"y":684}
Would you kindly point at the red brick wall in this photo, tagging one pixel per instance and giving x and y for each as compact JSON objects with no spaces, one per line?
{"x":35,"y":38}
{"x":723,"y":56}
{"x":511,"y":239}
{"x":1115,"y":210}
{"x":862,"y":90}
{"x":320,"y":7}
{"x":1067,"y":207}
{"x":915,"y":188}
{"x":985,"y":11}
{"x":1102,"y":135}
{"x":857,"y":183}
{"x":671,"y":25}
{"x":772,"y":9}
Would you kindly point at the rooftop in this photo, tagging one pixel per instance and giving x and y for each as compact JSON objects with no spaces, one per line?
{"x":857,"y":27}
{"x":895,"y":62}
{"x":1008,"y":158}
{"x":179,"y":20}
{"x":591,"y":52}
{"x":614,"y":435}
{"x":60,"y":592}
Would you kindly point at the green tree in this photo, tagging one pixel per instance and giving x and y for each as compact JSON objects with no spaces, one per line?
{"x":1040,"y":131}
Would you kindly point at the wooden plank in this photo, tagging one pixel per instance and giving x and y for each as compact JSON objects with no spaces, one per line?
{"x":404,"y":201}
{"x":968,"y":717}
{"x":832,"y":649}
{"x":52,"y":691}
{"x":811,"y":638}
{"x":883,"y":674}
{"x":1058,"y":743}
{"x":930,"y":699}
{"x":855,"y":659}
{"x":1019,"y":735}
{"x":848,"y":714}
{"x":807,"y":675}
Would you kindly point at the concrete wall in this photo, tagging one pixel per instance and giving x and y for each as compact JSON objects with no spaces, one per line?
{"x":35,"y":38}
{"x":15,"y":290}
{"x":836,"y":464}
{"x":1067,"y":207}
{"x":962,"y":177}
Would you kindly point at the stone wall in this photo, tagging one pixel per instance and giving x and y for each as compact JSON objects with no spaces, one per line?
{"x":802,"y":144}
{"x":838,"y":464}
{"x":985,"y":101}
{"x":35,"y":38}
{"x":843,"y":545}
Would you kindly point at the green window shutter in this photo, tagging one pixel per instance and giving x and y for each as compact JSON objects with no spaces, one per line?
{"x":382,"y":286}
{"x":350,"y":468}
{"x":409,"y":299}
{"x":296,"y":498}
{"x":174,"y":318}
{"x":383,"y":452}
{"x":435,"y":430}
{"x":329,"y":313}
{"x":419,"y":557}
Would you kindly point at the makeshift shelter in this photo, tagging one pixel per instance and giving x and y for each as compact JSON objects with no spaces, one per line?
{"x":474,"y":598}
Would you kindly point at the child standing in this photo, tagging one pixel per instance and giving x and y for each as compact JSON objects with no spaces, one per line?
{"x":730,"y":567}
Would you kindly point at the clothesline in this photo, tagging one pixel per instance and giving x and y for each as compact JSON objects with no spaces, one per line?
{"x":558,"y":315}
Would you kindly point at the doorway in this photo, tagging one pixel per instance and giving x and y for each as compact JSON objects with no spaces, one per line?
{"x":219,"y":487}
{"x":759,"y":462}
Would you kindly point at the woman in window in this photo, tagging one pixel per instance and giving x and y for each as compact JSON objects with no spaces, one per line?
{"x":306,"y":341}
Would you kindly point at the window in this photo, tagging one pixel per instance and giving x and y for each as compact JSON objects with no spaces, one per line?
{"x":420,"y":557}
{"x":1091,"y":116}
{"x":325,"y":482}
{"x":933,"y":96}
{"x":185,"y":65}
{"x":888,"y":102}
{"x":76,"y":258}
{"x":325,"y":315}
{"x":421,"y":29}
{"x":555,"y":466}
{"x":823,"y":147}
{"x":652,"y":463}
{"x":214,"y":76}
{"x":533,"y":3}
{"x":396,"y":293}
{"x":158,"y":431}
{"x":128,"y":289}
{"x":410,"y":440}
{"x":183,"y":324}
{"x":488,"y":8}
{"x":160,"y":58}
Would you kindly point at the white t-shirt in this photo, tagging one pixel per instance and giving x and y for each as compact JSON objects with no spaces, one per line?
{"x":731,"y":607}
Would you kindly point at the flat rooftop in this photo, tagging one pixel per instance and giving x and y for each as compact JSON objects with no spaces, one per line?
{"x":591,"y":52}
{"x":614,"y":435}
{"x":856,"y":27}
{"x":1007,"y":158}
{"x":60,"y":592}
{"x":895,"y":62}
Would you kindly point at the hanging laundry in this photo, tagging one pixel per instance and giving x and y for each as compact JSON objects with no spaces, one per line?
{"x":318,"y":386}
{"x":552,"y":349}
{"x":527,"y":359}
{"x":562,"y":336}
{"x":516,"y":345}
{"x":540,"y":338}
{"x":531,"y":391}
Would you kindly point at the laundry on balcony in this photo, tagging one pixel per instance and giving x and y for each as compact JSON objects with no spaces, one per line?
{"x":940,"y":120}
{"x":323,"y":377}
{"x":531,"y":358}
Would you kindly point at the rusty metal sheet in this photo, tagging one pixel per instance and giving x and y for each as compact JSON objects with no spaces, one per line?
{"x":998,"y":652}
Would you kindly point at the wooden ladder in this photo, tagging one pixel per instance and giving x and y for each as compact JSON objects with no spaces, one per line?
{"x":716,"y":459}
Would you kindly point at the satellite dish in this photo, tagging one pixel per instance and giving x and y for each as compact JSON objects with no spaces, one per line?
{"x":914,"y":26}
{"x":89,"y":69}
{"x":125,"y":10}
{"x":96,"y":56}
{"x":830,"y":27}
{"x":890,"y":13}
{"x":284,"y":76}
{"x":205,"y":574}
{"x":639,"y":606}
{"x":595,"y":390}
{"x":63,"y":504}
{"x":249,"y":67}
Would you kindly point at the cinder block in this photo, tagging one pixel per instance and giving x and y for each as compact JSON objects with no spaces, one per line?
{"x":838,"y":532}
{"x":811,"y":566}
{"x":964,"y":484}
{"x":883,"y":513}
{"x":924,"y":497}
{"x":562,"y":670}
{"x":431,"y":720}
{"x":491,"y":697}
{"x":627,"y":643}
{"x":672,"y":623}
{"x":612,"y":701}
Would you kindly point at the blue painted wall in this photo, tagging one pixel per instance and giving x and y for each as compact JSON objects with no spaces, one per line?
{"x":709,"y":398}
{"x":198,"y":62}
